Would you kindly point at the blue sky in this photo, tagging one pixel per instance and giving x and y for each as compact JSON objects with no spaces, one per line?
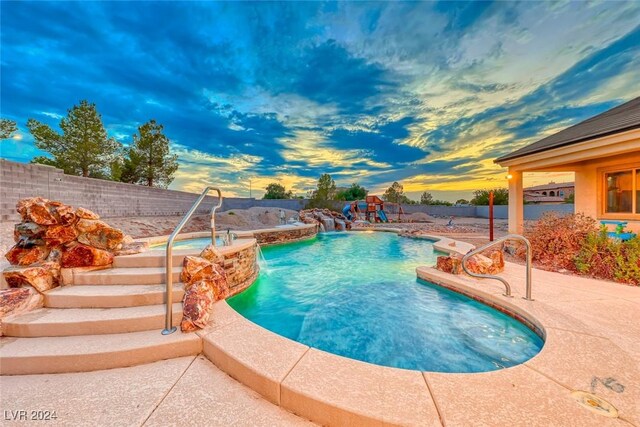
{"x":371,"y":92}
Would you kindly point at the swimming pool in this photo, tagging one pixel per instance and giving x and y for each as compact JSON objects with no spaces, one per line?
{"x":356,"y":295}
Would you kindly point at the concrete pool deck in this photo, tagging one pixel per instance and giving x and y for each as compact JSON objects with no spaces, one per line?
{"x":592,"y":344}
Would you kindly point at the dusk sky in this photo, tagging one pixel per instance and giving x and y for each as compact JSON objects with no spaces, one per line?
{"x":428,"y":94}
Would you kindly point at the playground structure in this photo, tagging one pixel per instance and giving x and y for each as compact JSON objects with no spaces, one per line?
{"x":372,"y":209}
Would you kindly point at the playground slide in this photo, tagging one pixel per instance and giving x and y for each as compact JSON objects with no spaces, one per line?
{"x":346,"y":211}
{"x":383,"y":215}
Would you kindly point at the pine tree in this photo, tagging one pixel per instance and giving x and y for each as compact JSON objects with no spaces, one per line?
{"x":83,"y":148}
{"x":7,"y":128}
{"x":150,"y":161}
{"x":426,"y":198}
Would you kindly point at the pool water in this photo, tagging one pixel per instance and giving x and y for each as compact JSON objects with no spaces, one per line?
{"x":356,"y":295}
{"x":199,"y":243}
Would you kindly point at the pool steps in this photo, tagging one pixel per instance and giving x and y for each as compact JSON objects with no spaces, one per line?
{"x":106,"y":319}
{"x":82,"y":353}
{"x":109,"y":296}
{"x":57,"y":322}
{"x":126,"y":276}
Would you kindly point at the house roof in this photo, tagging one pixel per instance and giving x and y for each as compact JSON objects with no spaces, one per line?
{"x":543,"y":199}
{"x":550,"y":186}
{"x":619,"y":119}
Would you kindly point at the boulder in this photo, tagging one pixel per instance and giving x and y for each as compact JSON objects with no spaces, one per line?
{"x":196,"y":269}
{"x":55,"y":255}
{"x":197,"y":304}
{"x":212,"y":254}
{"x":497,"y":259}
{"x":79,"y":255}
{"x":65,"y":214}
{"x":480,"y":264}
{"x":18,"y":301}
{"x":26,"y":255}
{"x":41,"y":214}
{"x":199,"y":272}
{"x":42,"y":276}
{"x":132,"y":248}
{"x":86,"y":214}
{"x":28,"y":230}
{"x":57,"y":235}
{"x":449,"y":264}
{"x":99,"y":234}
{"x":23,"y":205}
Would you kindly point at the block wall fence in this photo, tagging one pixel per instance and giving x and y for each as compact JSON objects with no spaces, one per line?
{"x":115,"y":199}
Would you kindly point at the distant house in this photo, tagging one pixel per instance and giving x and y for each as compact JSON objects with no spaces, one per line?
{"x":604,"y":154}
{"x":549,"y":194}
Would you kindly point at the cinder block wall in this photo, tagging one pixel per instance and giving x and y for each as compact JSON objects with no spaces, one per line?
{"x":107,"y":198}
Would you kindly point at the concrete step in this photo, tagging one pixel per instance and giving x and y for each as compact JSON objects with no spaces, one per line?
{"x":109,"y":296}
{"x":24,"y":356}
{"x":60,"y":322}
{"x":126,"y":276}
{"x":152,"y":258}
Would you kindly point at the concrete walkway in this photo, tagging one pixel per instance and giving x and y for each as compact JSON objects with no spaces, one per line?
{"x":188,"y":391}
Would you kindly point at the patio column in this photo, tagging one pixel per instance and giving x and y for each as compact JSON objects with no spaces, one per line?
{"x":516,"y":204}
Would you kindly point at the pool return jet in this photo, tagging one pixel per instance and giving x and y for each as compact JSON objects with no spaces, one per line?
{"x":168,"y":326}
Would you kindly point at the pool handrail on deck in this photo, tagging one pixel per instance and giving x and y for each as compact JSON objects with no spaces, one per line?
{"x":168,"y":327}
{"x":491,"y":276}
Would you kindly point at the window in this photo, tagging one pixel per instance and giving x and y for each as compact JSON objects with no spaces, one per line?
{"x":561,"y":193}
{"x":619,"y":191}
{"x":638,"y":191}
{"x":552,"y":194}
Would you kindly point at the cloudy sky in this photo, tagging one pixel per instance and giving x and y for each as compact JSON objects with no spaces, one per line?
{"x":427,"y":94}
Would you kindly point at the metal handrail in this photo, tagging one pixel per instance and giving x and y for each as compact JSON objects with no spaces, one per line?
{"x":490,"y":276}
{"x":168,"y":326}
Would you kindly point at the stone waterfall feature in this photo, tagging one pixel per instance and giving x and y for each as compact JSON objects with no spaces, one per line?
{"x":329,"y":220}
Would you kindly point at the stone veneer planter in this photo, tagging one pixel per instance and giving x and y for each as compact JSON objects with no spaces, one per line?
{"x":285,"y":234}
{"x":264,"y":236}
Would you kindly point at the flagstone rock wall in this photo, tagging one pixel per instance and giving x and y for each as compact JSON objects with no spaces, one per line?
{"x":274,"y":236}
{"x":241,"y":268}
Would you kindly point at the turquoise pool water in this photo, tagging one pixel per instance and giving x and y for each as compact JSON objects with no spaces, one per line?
{"x":199,"y":243}
{"x":356,"y":295}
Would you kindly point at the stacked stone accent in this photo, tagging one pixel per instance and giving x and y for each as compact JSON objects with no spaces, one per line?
{"x":284,"y":235}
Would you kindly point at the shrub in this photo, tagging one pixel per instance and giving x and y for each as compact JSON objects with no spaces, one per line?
{"x":557,"y":239}
{"x":610,"y":259}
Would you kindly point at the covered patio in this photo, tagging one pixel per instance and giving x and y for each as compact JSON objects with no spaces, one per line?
{"x":604,"y":154}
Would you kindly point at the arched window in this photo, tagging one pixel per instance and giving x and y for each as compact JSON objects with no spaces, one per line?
{"x":552,"y":193}
{"x":544,"y":193}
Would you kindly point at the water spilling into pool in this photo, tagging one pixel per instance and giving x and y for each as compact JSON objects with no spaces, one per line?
{"x":356,"y":295}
